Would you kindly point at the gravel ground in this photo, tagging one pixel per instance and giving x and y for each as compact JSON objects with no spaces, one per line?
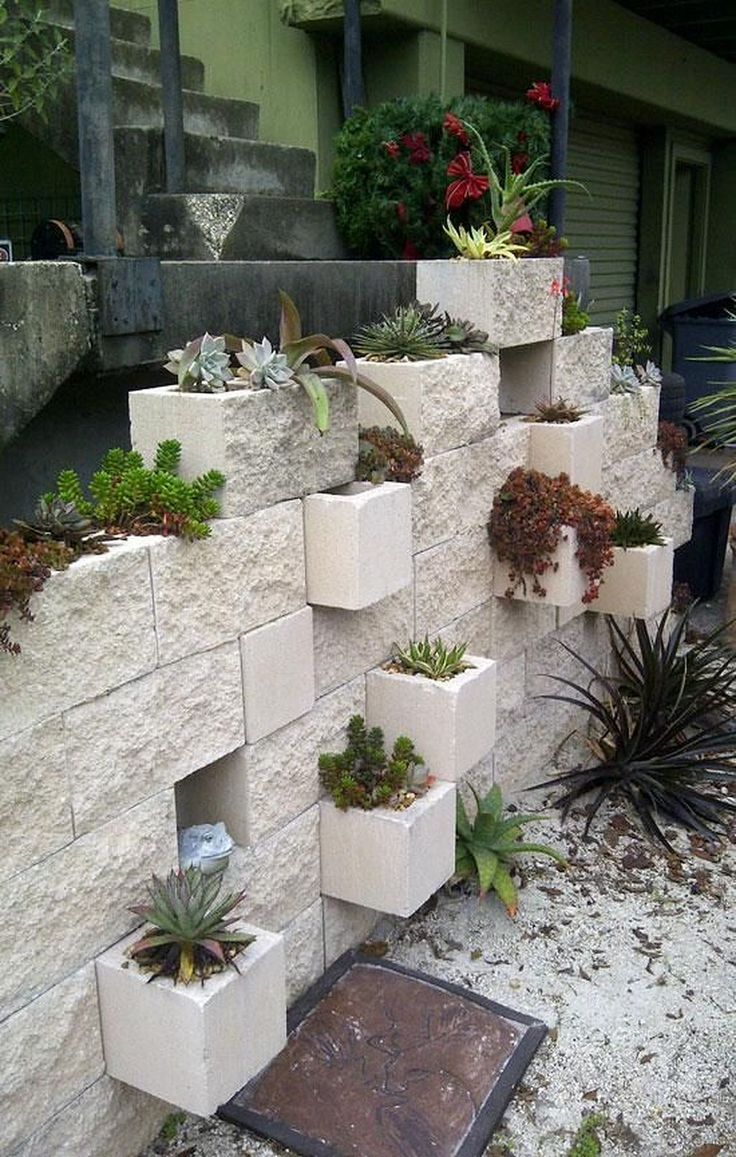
{"x":630,"y":960}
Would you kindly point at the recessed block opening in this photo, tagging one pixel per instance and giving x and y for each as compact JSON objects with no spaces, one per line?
{"x":526,"y":377}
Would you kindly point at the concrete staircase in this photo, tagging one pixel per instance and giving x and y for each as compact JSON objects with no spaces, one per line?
{"x":245,"y":199}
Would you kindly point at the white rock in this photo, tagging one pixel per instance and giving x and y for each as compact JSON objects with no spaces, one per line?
{"x":93,"y":630}
{"x":639,"y":583}
{"x":92,"y":882}
{"x":347,"y":643}
{"x":452,"y":721}
{"x":305,"y":951}
{"x":447,"y":402}
{"x":451,"y":579}
{"x":512,"y":300}
{"x":250,"y":571}
{"x":572,"y":448}
{"x":51,"y":1051}
{"x":193,"y":1045}
{"x":389,"y":860}
{"x":263,"y":441}
{"x":358,"y":544}
{"x":36,"y":815}
{"x":278,"y":673}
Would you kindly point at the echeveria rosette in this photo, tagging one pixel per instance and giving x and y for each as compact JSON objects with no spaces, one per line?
{"x":267,"y":368}
{"x":203,"y":366}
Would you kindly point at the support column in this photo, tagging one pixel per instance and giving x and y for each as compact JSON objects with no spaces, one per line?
{"x":96,"y":139}
{"x":561,"y":60}
{"x":171,"y":96}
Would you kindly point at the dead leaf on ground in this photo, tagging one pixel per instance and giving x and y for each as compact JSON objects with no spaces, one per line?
{"x":707,"y":1151}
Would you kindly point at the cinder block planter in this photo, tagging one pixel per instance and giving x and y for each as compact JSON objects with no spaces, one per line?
{"x":392,"y":861}
{"x":564,"y":586}
{"x":278,"y":673}
{"x":582,"y":365}
{"x":358,"y":544}
{"x":572,"y":448}
{"x":263,"y":441}
{"x":447,"y":402}
{"x":512,"y":300}
{"x":456,"y":717}
{"x":194,"y":1045}
{"x":639,"y":583}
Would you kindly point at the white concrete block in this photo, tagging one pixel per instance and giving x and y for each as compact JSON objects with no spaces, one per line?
{"x":512,"y":300}
{"x":345,"y":926}
{"x":451,"y":579}
{"x":358,"y":544}
{"x":572,"y":448}
{"x":631,"y":423}
{"x":305,"y":951}
{"x":250,"y":571}
{"x":526,"y":377}
{"x":452,"y":721}
{"x":93,"y":630}
{"x":392,"y":861}
{"x":676,"y":516}
{"x":474,"y":627}
{"x":640,"y":480}
{"x":193,"y":1045}
{"x":447,"y":402}
{"x":263,"y":441}
{"x":36,"y":814}
{"x":581,"y":366}
{"x":514,"y":625}
{"x":348,"y":643}
{"x":280,"y":875}
{"x":564,"y":584}
{"x":119,"y":747}
{"x":454,"y":492}
{"x":278,"y":673}
{"x":639,"y":583}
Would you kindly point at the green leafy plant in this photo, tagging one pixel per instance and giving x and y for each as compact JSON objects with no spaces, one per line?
{"x":574,"y":317}
{"x":386,"y":455}
{"x":34,"y":59}
{"x":462,"y":337}
{"x":527,"y":523}
{"x":482,"y":243}
{"x":410,"y":333}
{"x":587,"y":1142}
{"x":486,"y":848}
{"x":558,"y":412}
{"x":365,"y":776}
{"x":434,"y":660}
{"x":720,"y":408}
{"x":24,"y":568}
{"x":631,"y":343}
{"x":661,"y":731}
{"x":191,"y":934}
{"x":542,"y":241}
{"x":127,"y":497}
{"x":636,"y":529}
{"x":390,"y":176}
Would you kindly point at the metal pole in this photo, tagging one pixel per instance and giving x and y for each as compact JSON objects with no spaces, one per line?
{"x":561,"y":58}
{"x":443,"y":52}
{"x":352,"y":81}
{"x":94,"y":113}
{"x":171,"y":97}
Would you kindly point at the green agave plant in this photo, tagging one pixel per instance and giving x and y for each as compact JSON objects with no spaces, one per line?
{"x":662,"y":732}
{"x":435,"y":660}
{"x":191,"y":935}
{"x":636,"y":529}
{"x":487,"y":847}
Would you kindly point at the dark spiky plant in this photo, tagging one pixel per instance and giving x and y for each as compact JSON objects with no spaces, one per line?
{"x":407,"y":334}
{"x":662,"y":732}
{"x":636,"y":529}
{"x":558,"y":412}
{"x":191,"y":935}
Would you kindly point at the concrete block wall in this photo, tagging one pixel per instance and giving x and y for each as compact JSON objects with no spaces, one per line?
{"x":128,"y":714}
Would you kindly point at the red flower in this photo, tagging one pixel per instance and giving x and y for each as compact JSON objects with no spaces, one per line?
{"x":454,"y":127}
{"x":519,"y":162}
{"x":410,"y":251}
{"x":419,"y":151}
{"x":401,"y":212}
{"x":540,"y":93}
{"x":391,"y":148}
{"x":522,"y":224}
{"x":469,"y":187}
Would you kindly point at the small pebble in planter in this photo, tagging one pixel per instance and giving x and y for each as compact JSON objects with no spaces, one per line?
{"x":386,"y":835}
{"x":531,"y":531}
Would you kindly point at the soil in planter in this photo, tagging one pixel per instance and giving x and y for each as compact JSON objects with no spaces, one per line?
{"x":385,"y":1061}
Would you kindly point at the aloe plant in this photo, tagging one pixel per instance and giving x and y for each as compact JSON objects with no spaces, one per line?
{"x":482,"y":243}
{"x":487,"y":847}
{"x":636,"y":529}
{"x":434,"y":660}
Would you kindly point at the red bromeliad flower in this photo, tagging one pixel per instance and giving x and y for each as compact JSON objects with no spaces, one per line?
{"x":410,"y":251}
{"x":519,"y":162}
{"x":540,"y":93}
{"x":391,"y":148}
{"x":453,"y":126}
{"x":469,"y":186}
{"x":401,"y":212}
{"x":419,"y":150}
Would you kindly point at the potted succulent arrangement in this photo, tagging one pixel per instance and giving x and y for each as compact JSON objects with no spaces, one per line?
{"x":386,"y":832}
{"x":425,"y":360}
{"x":564,"y":439}
{"x":259,"y":414}
{"x":551,"y":540}
{"x":449,"y":696}
{"x":387,"y":455}
{"x":193,"y":1007}
{"x":639,"y":582}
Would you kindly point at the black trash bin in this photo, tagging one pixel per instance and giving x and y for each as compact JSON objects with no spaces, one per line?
{"x":699,"y":563}
{"x":693,"y":325}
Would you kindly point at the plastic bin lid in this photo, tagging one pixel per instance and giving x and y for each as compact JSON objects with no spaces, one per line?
{"x":713,"y":305}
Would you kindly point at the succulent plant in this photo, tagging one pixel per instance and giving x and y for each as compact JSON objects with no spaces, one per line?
{"x":435,"y":660}
{"x":485,"y":848}
{"x":460,"y":336}
{"x":558,"y":412}
{"x":265,"y":365}
{"x":364,"y":776}
{"x":203,"y":366}
{"x":636,"y":529}
{"x":649,"y":374}
{"x":482,"y":243}
{"x":574,"y":317}
{"x":411,"y":333}
{"x":387,"y":455}
{"x":191,"y":933}
{"x":624,"y":379}
{"x":55,"y":519}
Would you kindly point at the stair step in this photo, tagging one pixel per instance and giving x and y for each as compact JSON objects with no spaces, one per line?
{"x":233,"y":227}
{"x":124,"y":25}
{"x":213,"y":165}
{"x":137,"y":103}
{"x":139,"y":62}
